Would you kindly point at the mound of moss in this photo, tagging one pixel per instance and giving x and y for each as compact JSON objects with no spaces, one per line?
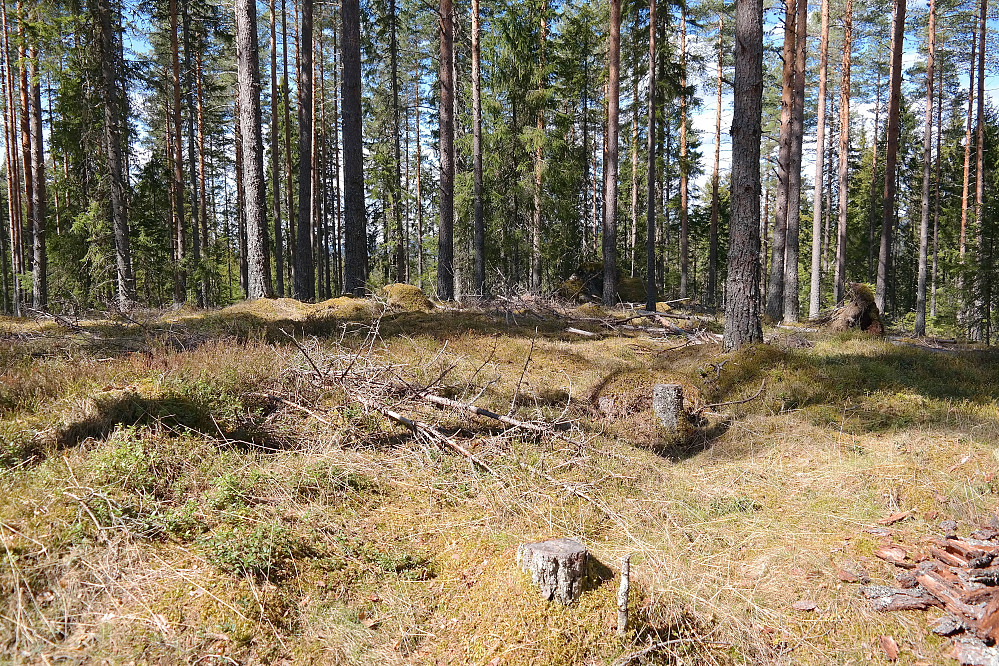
{"x":406,"y":297}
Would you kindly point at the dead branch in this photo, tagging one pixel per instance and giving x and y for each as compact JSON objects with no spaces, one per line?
{"x":427,"y":430}
{"x":736,"y":402}
{"x":527,"y":362}
{"x":294,"y":405}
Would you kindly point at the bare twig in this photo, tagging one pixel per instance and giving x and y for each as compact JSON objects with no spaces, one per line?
{"x":428,"y":430}
{"x":527,"y":362}
{"x":737,"y":402}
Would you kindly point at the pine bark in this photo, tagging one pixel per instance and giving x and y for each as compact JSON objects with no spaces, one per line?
{"x":255,"y":195}
{"x":684,"y":167}
{"x":791,"y":305}
{"x":180,"y":271}
{"x":479,"y":277}
{"x":401,"y":248}
{"x":651,"y":295}
{"x":355,"y":232}
{"x":539,"y":161}
{"x":891,"y":155}
{"x":305,"y":269}
{"x":962,"y":243}
{"x":445,"y":249}
{"x":112,"y":143}
{"x":610,"y":166}
{"x":742,"y":301}
{"x":775,"y":285}
{"x":276,"y":158}
{"x":924,"y":218}
{"x":839,"y":279}
{"x":40,"y":264}
{"x":712,"y":288}
{"x":815,"y":290}
{"x":980,"y":298}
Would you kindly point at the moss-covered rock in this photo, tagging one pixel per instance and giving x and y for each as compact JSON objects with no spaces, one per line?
{"x":631,"y":289}
{"x":406,"y":297}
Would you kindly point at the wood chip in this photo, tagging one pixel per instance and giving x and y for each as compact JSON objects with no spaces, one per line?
{"x":974,"y":653}
{"x":890,"y":647}
{"x":990,"y":620}
{"x":847,"y":577}
{"x":896,"y":518}
{"x":804,"y":605}
{"x":893,"y":554}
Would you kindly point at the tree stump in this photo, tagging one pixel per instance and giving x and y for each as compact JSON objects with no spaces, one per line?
{"x":560,"y":568}
{"x":667,"y":403}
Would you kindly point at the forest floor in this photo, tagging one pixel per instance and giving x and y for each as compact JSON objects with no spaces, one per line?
{"x":199,"y":487}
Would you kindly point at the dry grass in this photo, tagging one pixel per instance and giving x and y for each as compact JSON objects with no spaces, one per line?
{"x":158,"y":509}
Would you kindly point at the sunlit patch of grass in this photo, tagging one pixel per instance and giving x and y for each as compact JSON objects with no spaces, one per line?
{"x":169,"y":530}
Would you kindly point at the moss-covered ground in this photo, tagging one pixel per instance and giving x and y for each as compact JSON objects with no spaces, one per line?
{"x":179,"y":488}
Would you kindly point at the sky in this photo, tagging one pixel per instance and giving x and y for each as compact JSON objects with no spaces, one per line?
{"x":704,"y":120}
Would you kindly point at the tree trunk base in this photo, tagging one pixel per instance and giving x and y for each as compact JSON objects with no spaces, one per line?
{"x":561,"y":568}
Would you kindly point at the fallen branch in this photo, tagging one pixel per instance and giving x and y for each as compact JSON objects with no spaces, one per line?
{"x":294,"y":405}
{"x":441,"y":401}
{"x":428,"y":430}
{"x":737,"y":402}
{"x":579,"y":331}
{"x":661,"y":645}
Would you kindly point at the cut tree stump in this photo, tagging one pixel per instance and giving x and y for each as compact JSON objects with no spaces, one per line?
{"x":560,"y":568}
{"x":667,"y":403}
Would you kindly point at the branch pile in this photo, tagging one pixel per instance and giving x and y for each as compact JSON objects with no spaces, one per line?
{"x":958,"y":575}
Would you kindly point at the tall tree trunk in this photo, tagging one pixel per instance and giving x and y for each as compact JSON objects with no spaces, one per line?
{"x":289,"y":173}
{"x":202,"y":194}
{"x":633,"y":228}
{"x":814,"y":294}
{"x":891,"y":154}
{"x":28,"y":170}
{"x":248,"y":79}
{"x":479,"y":278}
{"x":305,"y":270}
{"x":401,"y":250}
{"x":651,"y":295}
{"x":791,"y":305}
{"x":839,"y":280}
{"x":276,"y":158}
{"x":112,"y":145}
{"x":180,"y":274}
{"x":775,"y":286}
{"x":684,"y":231}
{"x":980,"y":323}
{"x":742,"y":293}
{"x":962,"y":243}
{"x":201,"y":288}
{"x":539,"y":160}
{"x":936,"y":195}
{"x":13,"y":171}
{"x":873,"y":219}
{"x":244,"y":266}
{"x":712,"y":290}
{"x":445,"y":249}
{"x":355,"y":231}
{"x":419,"y":186}
{"x":924,"y":218}
{"x":610,"y":166}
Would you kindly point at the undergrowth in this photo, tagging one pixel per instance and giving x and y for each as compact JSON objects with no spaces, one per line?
{"x":184,"y":490}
